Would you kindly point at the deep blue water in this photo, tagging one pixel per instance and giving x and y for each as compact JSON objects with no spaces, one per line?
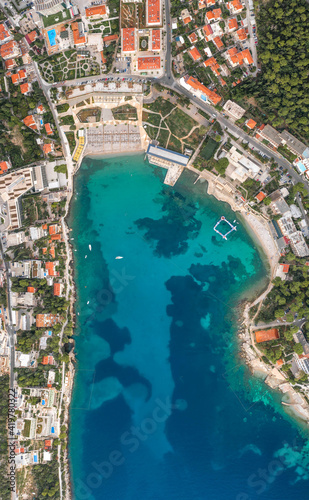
{"x":163,"y":407}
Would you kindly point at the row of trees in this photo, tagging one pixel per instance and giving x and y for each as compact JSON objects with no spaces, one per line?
{"x":4,"y":484}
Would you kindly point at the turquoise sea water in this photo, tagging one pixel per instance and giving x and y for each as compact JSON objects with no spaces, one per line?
{"x":163,"y":407}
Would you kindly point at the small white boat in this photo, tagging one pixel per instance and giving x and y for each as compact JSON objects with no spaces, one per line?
{"x":88,"y":302}
{"x":85,"y":256}
{"x":90,"y":248}
{"x":75,"y":250}
{"x":72,"y":239}
{"x":118,"y":257}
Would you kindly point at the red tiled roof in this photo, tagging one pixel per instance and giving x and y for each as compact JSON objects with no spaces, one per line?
{"x":260,"y":196}
{"x":96,"y":10}
{"x":250,"y":123}
{"x":7,"y":49}
{"x":212,"y":63}
{"x":236,"y":4}
{"x":213,"y":14}
{"x":266,"y":335}
{"x":3,"y":32}
{"x":24,"y":88}
{"x":50,"y":268}
{"x":78,"y":40}
{"x":156,"y":40}
{"x":56,"y":237}
{"x":47,"y":148}
{"x":241,"y":33}
{"x":192,"y":37}
{"x":48,"y":129}
{"x":31,"y":36}
{"x":29,"y":122}
{"x":110,"y":38}
{"x":207,"y":30}
{"x":30,"y":289}
{"x":9,"y":63}
{"x":218,"y":42}
{"x":195,"y":54}
{"x":195,"y":84}
{"x":22,"y":74}
{"x":146,"y":63}
{"x":285,"y":268}
{"x":187,"y":20}
{"x":233,"y":24}
{"x":3,"y":167}
{"x":128,"y":39}
{"x":15,"y":78}
{"x":154,"y":11}
{"x":57,"y":289}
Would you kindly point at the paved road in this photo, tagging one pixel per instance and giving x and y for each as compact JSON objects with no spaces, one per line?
{"x":251,"y":41}
{"x":299,"y":323}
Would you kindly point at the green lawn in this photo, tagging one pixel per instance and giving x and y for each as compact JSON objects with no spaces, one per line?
{"x":196,"y":137}
{"x":205,"y":115}
{"x":180,"y":123}
{"x":209,"y":149}
{"x":62,"y":108}
{"x":67,"y":120}
{"x":26,"y":431}
{"x":174,"y":144}
{"x":160,"y":106}
{"x":71,"y":139}
{"x":151,"y":118}
{"x":51,"y":20}
{"x":84,"y":114}
{"x":163,"y":137}
{"x":151,"y":131}
{"x":125,"y":112}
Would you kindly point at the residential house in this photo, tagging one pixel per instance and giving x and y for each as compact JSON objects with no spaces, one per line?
{"x":214,"y":15}
{"x":25,"y":88}
{"x":186,"y":16}
{"x":235,"y":6}
{"x":31,"y":122}
{"x":269,"y":134}
{"x":5,"y":34}
{"x":193,"y":37}
{"x":251,"y":124}
{"x":79,"y":35}
{"x":232,"y":24}
{"x":233,"y":110}
{"x":198,"y":89}
{"x":195,"y":54}
{"x":218,"y":43}
{"x":10,"y":50}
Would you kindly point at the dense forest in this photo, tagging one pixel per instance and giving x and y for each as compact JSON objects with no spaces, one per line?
{"x":46,"y":478}
{"x":282,"y":87}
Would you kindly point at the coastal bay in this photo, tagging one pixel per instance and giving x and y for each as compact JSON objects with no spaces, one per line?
{"x":163,"y":407}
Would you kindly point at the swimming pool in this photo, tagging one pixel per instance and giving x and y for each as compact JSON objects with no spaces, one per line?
{"x":52,"y":37}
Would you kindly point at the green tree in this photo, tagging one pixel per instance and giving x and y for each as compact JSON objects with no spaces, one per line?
{"x":298,"y":348}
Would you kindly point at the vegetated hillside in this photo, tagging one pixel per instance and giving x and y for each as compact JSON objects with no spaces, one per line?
{"x":282,"y":87}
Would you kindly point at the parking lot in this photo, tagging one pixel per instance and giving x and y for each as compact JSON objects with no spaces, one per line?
{"x":122,"y":64}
